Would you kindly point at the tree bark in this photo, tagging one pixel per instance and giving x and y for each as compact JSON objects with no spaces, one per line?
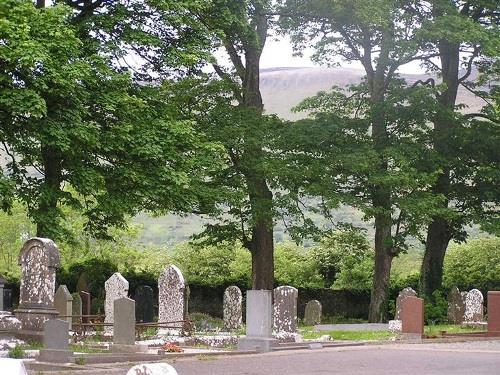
{"x":439,"y":230}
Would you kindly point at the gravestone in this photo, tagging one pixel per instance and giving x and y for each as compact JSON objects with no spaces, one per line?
{"x":76,"y":308}
{"x":232,"y":313}
{"x":456,"y":306}
{"x":259,"y":322}
{"x":86,"y":305}
{"x":171,"y":296}
{"x":312,"y":314}
{"x":494,"y":313}
{"x":63,"y":302}
{"x":187,"y":294}
{"x":144,"y":304}
{"x":55,"y":342}
{"x":2,"y":284}
{"x":124,"y":322}
{"x":38,"y":259}
{"x":7,"y":299}
{"x":285,"y":309}
{"x":474,"y":306}
{"x":412,"y":317}
{"x":406,"y":292}
{"x":152,"y":369}
{"x":116,"y":287}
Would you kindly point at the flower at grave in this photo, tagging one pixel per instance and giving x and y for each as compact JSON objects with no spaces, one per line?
{"x":171,"y":348}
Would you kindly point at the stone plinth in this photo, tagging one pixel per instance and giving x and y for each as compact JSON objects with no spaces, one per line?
{"x":259,"y":322}
{"x":38,"y":259}
{"x":55,"y":342}
{"x":412,"y":317}
{"x":494,"y":313}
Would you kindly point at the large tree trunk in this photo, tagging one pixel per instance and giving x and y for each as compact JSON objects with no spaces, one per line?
{"x":439,"y":230}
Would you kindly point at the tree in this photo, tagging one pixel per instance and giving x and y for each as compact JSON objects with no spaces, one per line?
{"x":462,"y":33}
{"x":382,"y":36}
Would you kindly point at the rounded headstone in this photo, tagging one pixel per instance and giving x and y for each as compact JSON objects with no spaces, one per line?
{"x":152,"y":369}
{"x":116,"y":287}
{"x":232,"y":301}
{"x":474,"y":306}
{"x":406,"y":292}
{"x":171,"y":296}
{"x":312,"y":314}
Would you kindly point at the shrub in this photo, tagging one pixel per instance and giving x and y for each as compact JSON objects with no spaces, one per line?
{"x":17,"y":352}
{"x":436,"y":308}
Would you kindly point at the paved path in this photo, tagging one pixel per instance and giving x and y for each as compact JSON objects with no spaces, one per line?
{"x":476,"y":358}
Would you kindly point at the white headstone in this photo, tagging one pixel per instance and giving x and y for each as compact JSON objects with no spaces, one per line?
{"x":474,"y":306}
{"x":152,"y":369}
{"x":116,"y":287}
{"x":285,"y":309}
{"x":171,"y":296}
{"x":232,"y":308}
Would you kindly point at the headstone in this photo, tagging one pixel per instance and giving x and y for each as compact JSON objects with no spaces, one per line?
{"x":171,"y":296}
{"x":116,"y":287}
{"x":63,"y":302}
{"x":406,"y":292}
{"x":76,"y":308}
{"x":38,"y":259}
{"x":187,"y":294}
{"x":312,"y":315}
{"x":494,"y":313}
{"x":456,"y":306}
{"x":259,"y":322}
{"x":124,"y":321}
{"x":474,"y":306}
{"x":285,"y":309}
{"x":86,"y":305}
{"x":2,"y":284}
{"x":8,"y":322}
{"x":144,"y":304}
{"x":55,"y":342}
{"x":412,"y":317}
{"x":7,"y":299}
{"x":232,"y":301}
{"x":152,"y":369}
{"x":12,"y":366}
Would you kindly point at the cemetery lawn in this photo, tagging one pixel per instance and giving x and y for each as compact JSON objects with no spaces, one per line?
{"x":435,"y":330}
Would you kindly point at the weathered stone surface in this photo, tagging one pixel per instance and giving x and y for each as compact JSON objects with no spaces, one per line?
{"x":285,"y":309}
{"x":474,"y":306}
{"x":55,"y":342}
{"x":38,"y":259}
{"x":312,"y":314}
{"x":86,"y":304}
{"x":152,"y":369}
{"x":494,"y":313}
{"x":76,"y":306}
{"x":8,"y":322}
{"x":259,"y":314}
{"x":124,"y":321}
{"x":171,"y":296}
{"x":144,"y":303}
{"x":232,"y":302}
{"x":116,"y":287}
{"x":412,"y":317}
{"x":2,"y":284}
{"x":406,"y":292}
{"x":63,"y":303}
{"x":395,"y":326}
{"x":456,"y":306}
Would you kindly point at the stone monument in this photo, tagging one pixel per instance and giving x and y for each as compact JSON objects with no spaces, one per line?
{"x":474,"y":307}
{"x":144,"y":303}
{"x":171,"y":297}
{"x":412,"y":317}
{"x":38,"y":259}
{"x":55,"y":342}
{"x":86,"y":305}
{"x":232,"y":302}
{"x":406,"y":292}
{"x":63,"y":303}
{"x":285,"y":309}
{"x":2,"y":284}
{"x":116,"y":287}
{"x":456,"y":306}
{"x":312,"y":314}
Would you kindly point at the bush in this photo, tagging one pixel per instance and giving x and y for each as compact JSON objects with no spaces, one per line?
{"x":17,"y":352}
{"x":436,"y":308}
{"x":293,"y":265}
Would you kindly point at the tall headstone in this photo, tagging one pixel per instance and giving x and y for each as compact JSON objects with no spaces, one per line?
{"x":55,"y":342}
{"x":312,"y":314}
{"x":38,"y":259}
{"x":494,"y":313}
{"x":171,"y":296}
{"x":86,"y":304}
{"x":412,"y":317}
{"x":124,"y":323}
{"x":259,"y":322}
{"x":232,"y":302}
{"x":116,"y":287}
{"x":63,"y":302}
{"x":144,"y":304}
{"x":285,"y":309}
{"x":2,"y":284}
{"x":456,"y":306}
{"x":406,"y":292}
{"x":474,"y":306}
{"x":76,"y":308}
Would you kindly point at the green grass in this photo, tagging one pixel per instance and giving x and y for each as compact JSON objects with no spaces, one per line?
{"x":435,"y":330}
{"x":85,"y":349}
{"x":309,"y":333}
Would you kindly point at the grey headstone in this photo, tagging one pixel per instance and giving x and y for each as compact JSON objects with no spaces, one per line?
{"x":259,"y":316}
{"x":232,"y":302}
{"x":38,"y":259}
{"x":144,"y":303}
{"x":406,"y":292}
{"x":86,"y":305}
{"x":456,"y":306}
{"x":474,"y":306}
{"x":76,"y":308}
{"x":55,"y":342}
{"x":124,"y":321}
{"x":63,"y":303}
{"x":2,"y":284}
{"x":116,"y":287}
{"x":171,"y":296}
{"x":313,"y":312}
{"x":285,"y":309}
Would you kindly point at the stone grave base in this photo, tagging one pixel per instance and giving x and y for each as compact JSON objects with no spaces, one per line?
{"x":32,"y":321}
{"x":261,"y":344}
{"x":56,"y":356}
{"x":416,"y":337}
{"x":121,"y":348}
{"x":477,"y":325}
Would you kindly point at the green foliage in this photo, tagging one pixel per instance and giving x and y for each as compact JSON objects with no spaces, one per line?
{"x":294,"y":265}
{"x":475,"y":264}
{"x":436,"y":308}
{"x":17,"y":352}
